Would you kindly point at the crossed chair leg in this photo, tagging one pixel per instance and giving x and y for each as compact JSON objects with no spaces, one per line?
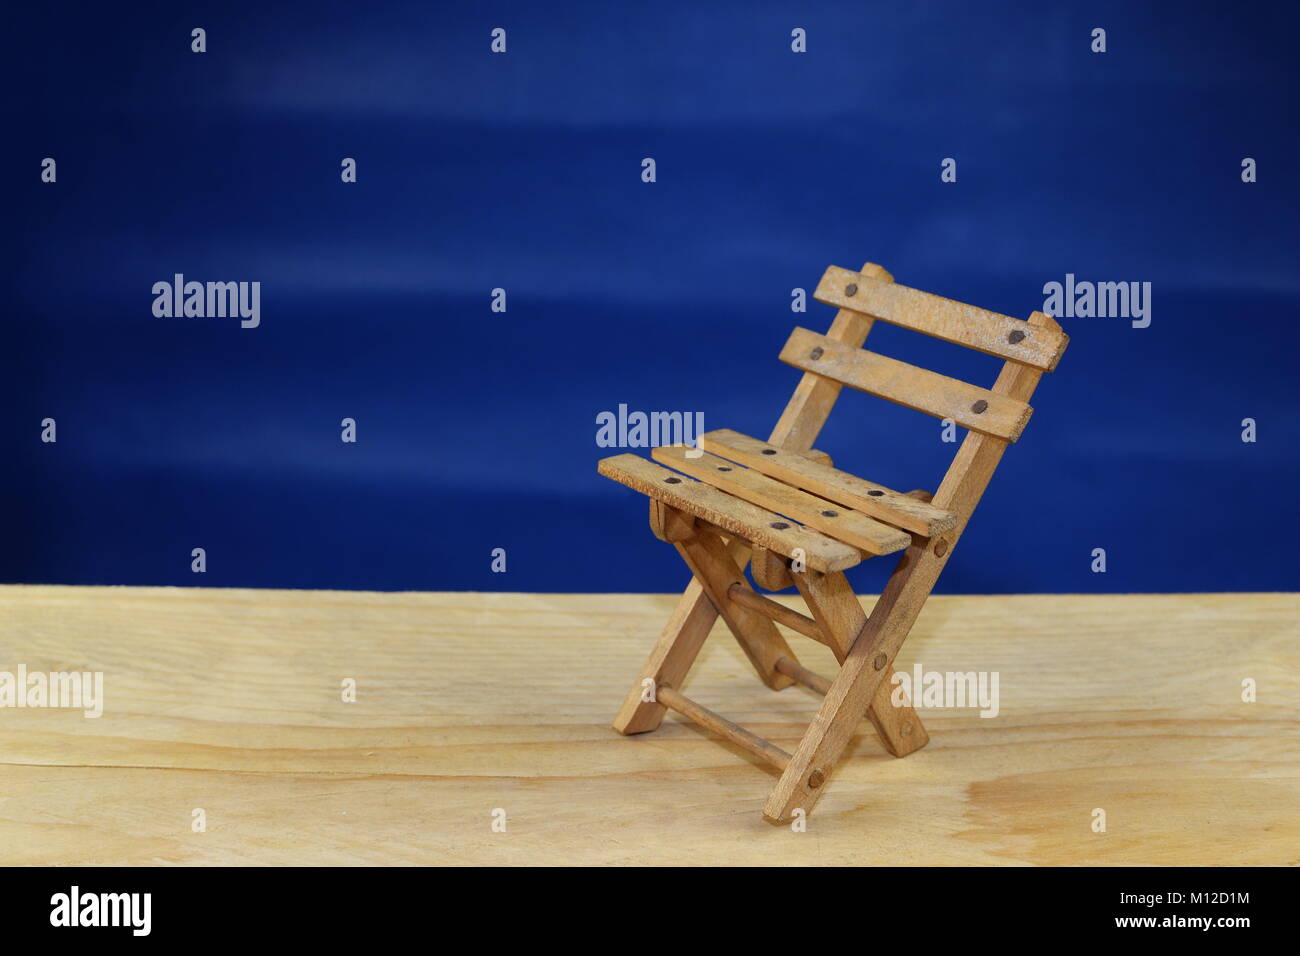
{"x":719,"y":588}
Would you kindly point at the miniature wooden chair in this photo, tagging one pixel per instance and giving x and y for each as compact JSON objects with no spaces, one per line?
{"x":780,"y":506}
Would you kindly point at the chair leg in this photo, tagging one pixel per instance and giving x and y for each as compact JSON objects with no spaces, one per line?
{"x":857,"y":682}
{"x":686,"y":630}
{"x":713,"y":566}
{"x":672,"y":657}
{"x":898,"y":725}
{"x":836,"y":608}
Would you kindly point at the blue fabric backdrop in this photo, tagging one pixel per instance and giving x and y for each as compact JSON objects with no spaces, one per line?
{"x":522,"y":170}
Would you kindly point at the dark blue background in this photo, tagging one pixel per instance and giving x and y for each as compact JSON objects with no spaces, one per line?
{"x":523,"y":171}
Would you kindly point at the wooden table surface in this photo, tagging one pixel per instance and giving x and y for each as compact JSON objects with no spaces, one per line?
{"x":231,"y":701}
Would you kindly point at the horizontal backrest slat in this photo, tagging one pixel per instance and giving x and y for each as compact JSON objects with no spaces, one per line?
{"x":969,"y":406}
{"x":990,"y":332}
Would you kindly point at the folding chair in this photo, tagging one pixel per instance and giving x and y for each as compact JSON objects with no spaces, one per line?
{"x":782,"y":508}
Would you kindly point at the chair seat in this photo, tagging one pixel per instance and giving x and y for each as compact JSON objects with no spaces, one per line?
{"x":801,"y":471}
{"x":730,"y":514}
{"x":780,"y":500}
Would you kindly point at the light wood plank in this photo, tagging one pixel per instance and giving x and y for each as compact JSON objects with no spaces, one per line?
{"x":968,"y":405}
{"x":228,"y":699}
{"x":842,"y":524}
{"x":933,"y":315}
{"x":903,"y":510}
{"x":755,"y":524}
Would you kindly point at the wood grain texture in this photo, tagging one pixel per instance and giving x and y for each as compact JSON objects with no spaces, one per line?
{"x":968,"y":405}
{"x":907,"y":511}
{"x":229,"y":700}
{"x":755,"y":524}
{"x":990,"y":332}
{"x":753,"y":486}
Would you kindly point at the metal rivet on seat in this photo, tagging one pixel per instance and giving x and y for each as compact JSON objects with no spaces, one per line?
{"x":816,"y":353}
{"x":816,"y":779}
{"x":673,"y":481}
{"x":769,"y":451}
{"x":875,"y":494}
{"x":1015,"y":337}
{"x":851,"y":289}
{"x":980,"y":407}
{"x":830,"y":514}
{"x":880,"y":661}
{"x":779,"y":525}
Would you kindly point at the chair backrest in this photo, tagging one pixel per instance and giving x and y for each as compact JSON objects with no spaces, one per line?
{"x":1036,"y":344}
